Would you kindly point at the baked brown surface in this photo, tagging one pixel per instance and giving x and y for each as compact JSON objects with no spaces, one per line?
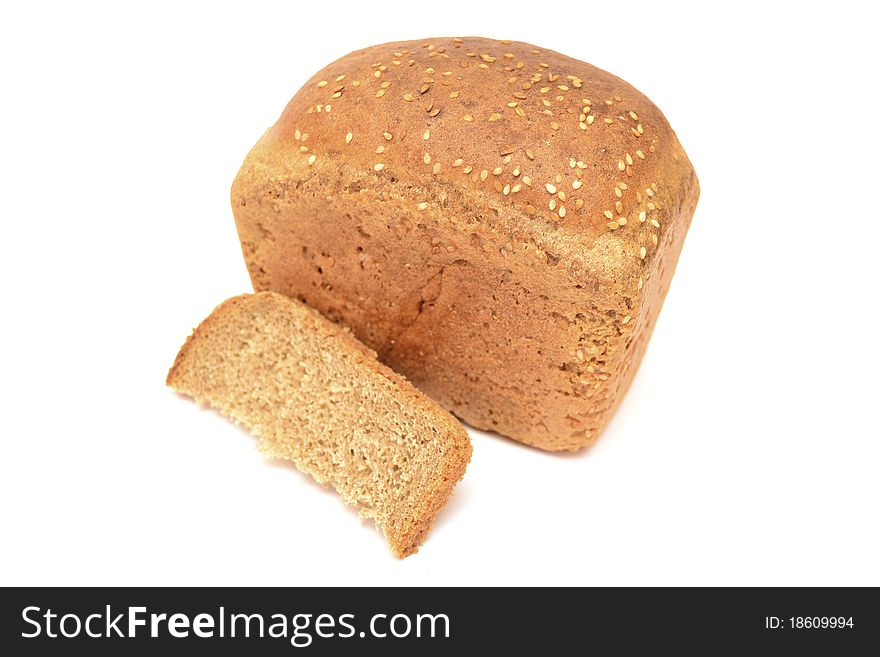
{"x":498,"y":221}
{"x":313,"y":394}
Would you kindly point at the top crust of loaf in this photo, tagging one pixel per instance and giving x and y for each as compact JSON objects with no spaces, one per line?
{"x":571,"y":163}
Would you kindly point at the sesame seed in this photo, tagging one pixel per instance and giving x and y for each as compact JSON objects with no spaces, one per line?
{"x":516,"y":171}
{"x":312,"y":159}
{"x":377,"y":74}
{"x":468,"y":118}
{"x":322,"y":83}
{"x":497,"y":171}
{"x":426,"y":158}
{"x":506,"y":190}
{"x":437,"y":167}
{"x":576,"y":184}
{"x":303,"y":149}
{"x":348,"y":138}
{"x":608,"y":121}
{"x":495,"y":116}
{"x":641,"y":282}
{"x":561,"y":211}
{"x":649,"y":191}
{"x":627,"y":319}
{"x":654,"y":239}
{"x":454,"y":94}
{"x":629,"y":159}
{"x":618,"y":206}
{"x":551,"y":188}
{"x":590,"y":119}
{"x":643,"y":252}
{"x":458,"y":162}
{"x":387,"y":135}
{"x":484,"y":174}
{"x":530,"y":209}
{"x":527,"y":181}
{"x":621,"y":165}
{"x":582,"y":125}
{"x":642,"y":216}
{"x":380,"y":149}
{"x":562,"y":196}
{"x":422,"y":205}
{"x":380,"y":93}
{"x":651,"y":206}
{"x":516,"y":188}
{"x":609,"y":214}
{"x":552,"y":204}
{"x":640,"y":129}
{"x":634,"y":116}
{"x":529,"y":154}
{"x":408,"y":97}
{"x":613,"y":225}
{"x":621,"y":221}
{"x":655,"y":223}
{"x":519,"y":111}
{"x":336,"y":94}
{"x":378,"y":166}
{"x":427,"y":135}
{"x":468,"y":169}
{"x":618,"y":193}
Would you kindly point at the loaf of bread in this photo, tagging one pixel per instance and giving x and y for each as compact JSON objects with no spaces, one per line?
{"x":311,"y":393}
{"x":498,"y":221}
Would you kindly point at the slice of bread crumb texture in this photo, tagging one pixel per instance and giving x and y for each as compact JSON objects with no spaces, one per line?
{"x":311,"y":393}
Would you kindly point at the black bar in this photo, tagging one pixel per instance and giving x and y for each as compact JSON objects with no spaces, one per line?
{"x":538,"y":621}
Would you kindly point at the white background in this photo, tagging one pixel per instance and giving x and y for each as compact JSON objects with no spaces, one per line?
{"x":746,"y":452}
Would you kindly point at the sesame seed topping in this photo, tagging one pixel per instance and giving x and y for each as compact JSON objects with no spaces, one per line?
{"x":468,"y":169}
{"x":437,"y":167}
{"x":552,"y":204}
{"x":497,"y":171}
{"x":654,"y":239}
{"x":643,"y":252}
{"x":506,"y":190}
{"x":621,"y":221}
{"x":655,"y":223}
{"x":641,"y":283}
{"x":454,"y":94}
{"x":576,"y":184}
{"x":618,"y":193}
{"x":378,"y":166}
{"x":530,"y":209}
{"x":322,"y":83}
{"x":312,"y":159}
{"x":551,"y":188}
{"x":529,"y":154}
{"x":380,"y":149}
{"x":408,"y":97}
{"x":562,"y":196}
{"x":468,"y":118}
{"x":621,"y":165}
{"x":426,"y":158}
{"x":561,"y":211}
{"x":348,"y":138}
{"x":634,"y":116}
{"x":613,"y":225}
{"x":516,"y":188}
{"x":527,"y":181}
{"x":380,"y":93}
{"x":627,"y":319}
{"x":427,"y":135}
{"x":484,"y":174}
{"x":618,"y":206}
{"x":387,"y":136}
{"x":642,"y":216}
{"x":609,"y":214}
{"x":590,"y":119}
{"x":422,"y":205}
{"x":458,"y":162}
{"x":629,"y":159}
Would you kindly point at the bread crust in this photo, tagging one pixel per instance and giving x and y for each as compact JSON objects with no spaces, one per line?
{"x":454,"y":203}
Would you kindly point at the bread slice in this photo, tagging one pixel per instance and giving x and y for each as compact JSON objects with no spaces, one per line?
{"x":313,"y":394}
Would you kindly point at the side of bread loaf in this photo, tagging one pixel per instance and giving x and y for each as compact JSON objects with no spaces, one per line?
{"x":313,"y":394}
{"x":498,"y":221}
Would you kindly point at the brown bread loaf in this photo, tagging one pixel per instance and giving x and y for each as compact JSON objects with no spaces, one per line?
{"x":498,"y":221}
{"x":313,"y":394}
